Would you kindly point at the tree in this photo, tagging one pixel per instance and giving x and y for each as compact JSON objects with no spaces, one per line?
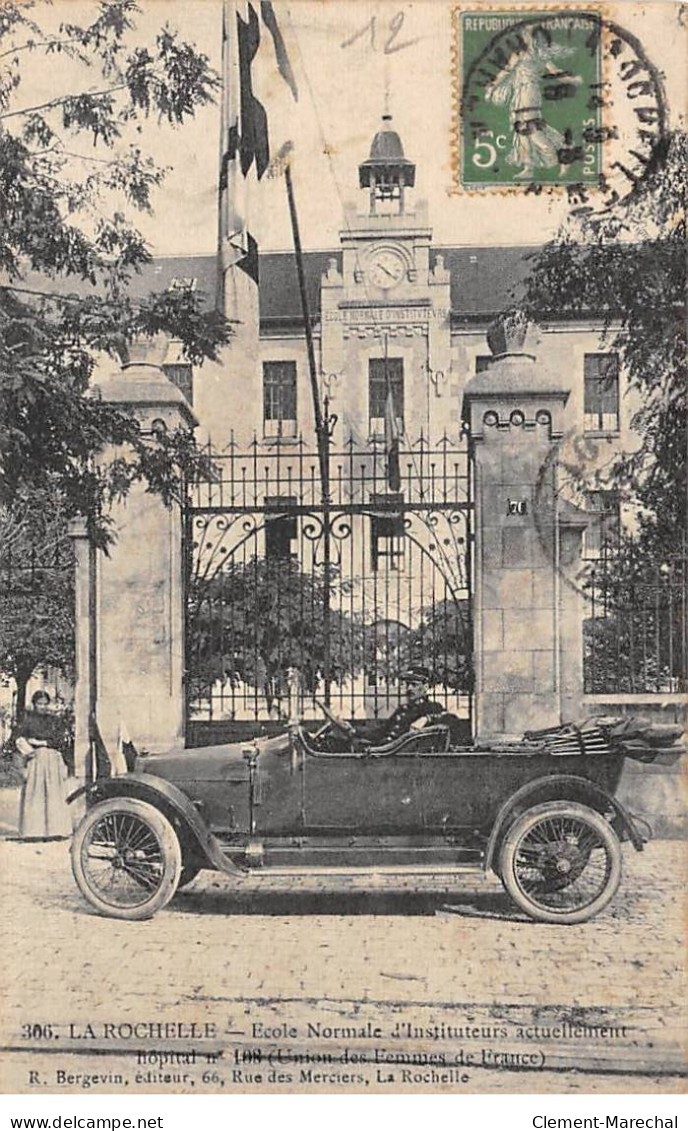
{"x":442,"y":644}
{"x":36,"y":591}
{"x":254,"y":620}
{"x":69,"y":185}
{"x":628,"y":265}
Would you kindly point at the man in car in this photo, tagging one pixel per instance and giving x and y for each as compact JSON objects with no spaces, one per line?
{"x":417,"y":711}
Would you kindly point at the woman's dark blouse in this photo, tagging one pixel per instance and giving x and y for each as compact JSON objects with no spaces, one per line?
{"x":41,"y":725}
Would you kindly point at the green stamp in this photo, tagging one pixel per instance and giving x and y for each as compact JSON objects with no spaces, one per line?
{"x":531,"y":97}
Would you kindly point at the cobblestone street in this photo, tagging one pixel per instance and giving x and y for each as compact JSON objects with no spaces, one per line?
{"x":273,"y":973}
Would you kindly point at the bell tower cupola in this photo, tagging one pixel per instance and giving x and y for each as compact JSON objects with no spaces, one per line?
{"x":387,"y":173}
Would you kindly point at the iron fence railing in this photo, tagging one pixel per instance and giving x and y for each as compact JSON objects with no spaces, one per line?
{"x":636,"y":629}
{"x":293,"y":597}
{"x":433,"y":473}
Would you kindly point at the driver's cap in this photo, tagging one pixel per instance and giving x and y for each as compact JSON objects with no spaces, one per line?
{"x":415,"y":675}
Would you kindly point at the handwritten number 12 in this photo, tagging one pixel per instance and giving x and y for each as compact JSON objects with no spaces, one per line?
{"x":395,"y":26}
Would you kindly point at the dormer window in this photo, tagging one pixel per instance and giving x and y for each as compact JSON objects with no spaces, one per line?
{"x":183,"y":283}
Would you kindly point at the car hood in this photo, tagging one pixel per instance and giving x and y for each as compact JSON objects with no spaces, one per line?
{"x":227,"y":762}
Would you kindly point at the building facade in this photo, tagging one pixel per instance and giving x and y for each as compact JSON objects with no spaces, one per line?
{"x":390,"y":310}
{"x":386,"y":286}
{"x":399,"y":328}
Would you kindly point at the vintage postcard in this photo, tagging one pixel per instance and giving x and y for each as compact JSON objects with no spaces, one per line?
{"x":343,"y":553}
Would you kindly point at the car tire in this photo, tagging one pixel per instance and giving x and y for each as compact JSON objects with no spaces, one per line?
{"x":126,"y":858}
{"x":547,"y":844}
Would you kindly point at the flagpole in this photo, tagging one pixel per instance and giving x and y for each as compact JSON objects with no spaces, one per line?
{"x":321,"y":428}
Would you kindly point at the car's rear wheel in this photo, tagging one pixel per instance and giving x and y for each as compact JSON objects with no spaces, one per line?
{"x":126,"y":858}
{"x":561,"y":862}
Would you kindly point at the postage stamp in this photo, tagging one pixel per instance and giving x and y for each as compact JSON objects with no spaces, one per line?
{"x":531,"y":83}
{"x":550,"y":98}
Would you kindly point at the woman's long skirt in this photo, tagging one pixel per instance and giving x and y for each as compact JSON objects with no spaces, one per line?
{"x":43,"y":809}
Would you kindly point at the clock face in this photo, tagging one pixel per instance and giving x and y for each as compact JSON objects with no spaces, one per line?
{"x":386,"y":269}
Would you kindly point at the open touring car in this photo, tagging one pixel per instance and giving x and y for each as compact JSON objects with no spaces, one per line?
{"x":541,"y":813}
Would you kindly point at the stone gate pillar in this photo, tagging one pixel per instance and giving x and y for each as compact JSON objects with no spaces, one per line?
{"x":527,"y":615}
{"x":139,"y":592}
{"x":85,"y":647}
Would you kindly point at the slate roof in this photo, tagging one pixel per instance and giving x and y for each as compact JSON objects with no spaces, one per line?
{"x":155,"y":276}
{"x":386,"y":144}
{"x":158,"y":275}
{"x":280,"y":302}
{"x":483,"y":280}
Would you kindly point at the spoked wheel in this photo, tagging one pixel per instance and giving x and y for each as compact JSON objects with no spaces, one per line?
{"x":561,"y":862}
{"x":126,"y":858}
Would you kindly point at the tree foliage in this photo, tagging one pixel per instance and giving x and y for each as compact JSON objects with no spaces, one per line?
{"x":71,"y":184}
{"x":627,"y":266}
{"x":635,"y":636}
{"x":255,"y":619}
{"x":36,"y":590}
{"x":442,"y":643}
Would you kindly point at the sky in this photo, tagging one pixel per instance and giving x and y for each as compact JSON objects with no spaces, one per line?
{"x":342,"y":71}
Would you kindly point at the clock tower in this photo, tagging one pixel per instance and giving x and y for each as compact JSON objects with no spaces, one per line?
{"x":386,"y":296}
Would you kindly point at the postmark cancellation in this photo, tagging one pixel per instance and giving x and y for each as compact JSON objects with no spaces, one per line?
{"x":549,"y":98}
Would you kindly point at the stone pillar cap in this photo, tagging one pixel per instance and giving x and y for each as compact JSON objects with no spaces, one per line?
{"x":513,"y":370}
{"x":515,"y":373}
{"x":144,"y":384}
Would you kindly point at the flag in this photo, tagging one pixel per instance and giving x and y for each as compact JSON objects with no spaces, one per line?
{"x":392,"y":441}
{"x":101,"y":763}
{"x":392,"y":432}
{"x":253,"y":52}
{"x":108,"y":763}
{"x":125,"y":756}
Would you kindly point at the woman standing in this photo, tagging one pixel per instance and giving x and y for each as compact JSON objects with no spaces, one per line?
{"x":43,"y":809}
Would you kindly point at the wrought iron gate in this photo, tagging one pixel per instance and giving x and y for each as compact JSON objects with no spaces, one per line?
{"x":293,"y":596}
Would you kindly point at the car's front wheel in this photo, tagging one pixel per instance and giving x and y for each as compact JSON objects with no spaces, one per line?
{"x":561,"y":862}
{"x":126,"y":858}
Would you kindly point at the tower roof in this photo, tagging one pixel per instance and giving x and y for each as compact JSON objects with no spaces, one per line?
{"x":386,"y":156}
{"x":386,"y":144}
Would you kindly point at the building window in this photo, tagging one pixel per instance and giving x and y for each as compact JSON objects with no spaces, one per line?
{"x":381,"y":371}
{"x":180,"y":373}
{"x":601,"y":398}
{"x":482,"y":362}
{"x":387,"y":537}
{"x":604,"y":524}
{"x":279,"y":398}
{"x":280,"y":528}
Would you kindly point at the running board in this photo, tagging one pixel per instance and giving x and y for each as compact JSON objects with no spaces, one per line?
{"x":365,"y":870}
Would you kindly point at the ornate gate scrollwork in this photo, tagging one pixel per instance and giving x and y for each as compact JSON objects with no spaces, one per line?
{"x":290,"y":598}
